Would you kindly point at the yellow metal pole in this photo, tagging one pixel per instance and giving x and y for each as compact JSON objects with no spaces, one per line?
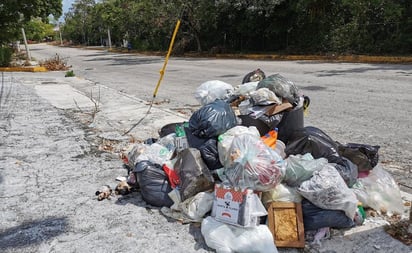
{"x":162,"y":71}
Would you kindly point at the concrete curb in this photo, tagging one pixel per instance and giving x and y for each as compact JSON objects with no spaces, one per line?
{"x":23,"y":69}
{"x":275,"y":57}
{"x":327,"y":58}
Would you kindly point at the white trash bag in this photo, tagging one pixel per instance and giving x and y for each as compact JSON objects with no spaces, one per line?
{"x":225,"y":238}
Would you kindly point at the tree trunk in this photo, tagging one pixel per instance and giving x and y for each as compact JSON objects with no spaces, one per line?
{"x":410,"y":221}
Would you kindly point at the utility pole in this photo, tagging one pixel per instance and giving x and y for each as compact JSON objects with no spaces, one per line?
{"x":110,"y":40}
{"x":61,"y":39}
{"x":25,"y":44}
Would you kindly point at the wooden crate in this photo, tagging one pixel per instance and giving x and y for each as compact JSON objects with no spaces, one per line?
{"x":286,"y":224}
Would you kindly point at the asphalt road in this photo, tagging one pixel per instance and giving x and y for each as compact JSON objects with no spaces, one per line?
{"x":358,"y":103}
{"x":54,"y":155}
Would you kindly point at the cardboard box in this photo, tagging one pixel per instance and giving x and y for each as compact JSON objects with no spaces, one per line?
{"x":236,"y":206}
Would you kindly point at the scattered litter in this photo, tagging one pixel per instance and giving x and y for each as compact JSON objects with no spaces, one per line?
{"x":105,"y":192}
{"x":246,"y":151}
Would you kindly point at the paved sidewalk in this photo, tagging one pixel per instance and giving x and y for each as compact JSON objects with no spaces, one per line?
{"x":52,"y":163}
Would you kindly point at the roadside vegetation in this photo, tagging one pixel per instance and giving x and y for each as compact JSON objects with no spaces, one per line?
{"x":232,"y":26}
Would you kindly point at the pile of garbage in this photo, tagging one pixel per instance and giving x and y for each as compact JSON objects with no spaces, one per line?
{"x":247,"y":148}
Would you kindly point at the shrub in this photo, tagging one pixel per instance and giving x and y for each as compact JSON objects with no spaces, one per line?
{"x":69,"y":73}
{"x":5,"y":56}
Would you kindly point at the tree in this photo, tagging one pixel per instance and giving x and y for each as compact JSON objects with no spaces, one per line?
{"x":15,"y":13}
{"x":37,"y":30}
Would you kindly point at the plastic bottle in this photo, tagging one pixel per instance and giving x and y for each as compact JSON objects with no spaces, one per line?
{"x":181,"y":139}
{"x":270,"y":138}
{"x":360,"y":214}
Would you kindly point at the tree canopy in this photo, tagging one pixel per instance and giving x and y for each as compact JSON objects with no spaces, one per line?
{"x":293,"y":26}
{"x":14,"y":14}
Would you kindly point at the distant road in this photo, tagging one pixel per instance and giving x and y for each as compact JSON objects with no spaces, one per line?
{"x":360,"y":103}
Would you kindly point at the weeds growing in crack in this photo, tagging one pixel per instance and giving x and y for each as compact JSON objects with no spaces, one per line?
{"x":96,"y":103}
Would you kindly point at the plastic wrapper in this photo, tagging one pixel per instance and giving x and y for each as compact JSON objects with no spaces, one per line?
{"x":379,"y":191}
{"x":300,"y":168}
{"x":209,"y":91}
{"x":194,"y":175}
{"x":326,"y":189}
{"x":225,"y":139}
{"x":252,"y":164}
{"x":315,"y":217}
{"x":282,"y":193}
{"x":264,"y":96}
{"x":225,"y":238}
{"x":212,"y":120}
{"x":153,"y":183}
{"x":316,"y":142}
{"x":281,"y":86}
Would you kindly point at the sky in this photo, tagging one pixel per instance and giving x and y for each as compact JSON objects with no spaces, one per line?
{"x":66,"y":6}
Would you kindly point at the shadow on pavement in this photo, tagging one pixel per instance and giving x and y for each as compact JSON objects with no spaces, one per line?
{"x":402,"y":70}
{"x":32,"y":232}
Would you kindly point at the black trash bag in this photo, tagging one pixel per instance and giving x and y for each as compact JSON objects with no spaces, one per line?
{"x":365,"y":156}
{"x":282,"y":87}
{"x":153,"y":183}
{"x":150,"y":141}
{"x":193,"y":140}
{"x":316,"y":142}
{"x":315,"y":217}
{"x":348,"y":171}
{"x":194,"y":175}
{"x":210,"y":154}
{"x":254,"y":76}
{"x":212,"y":120}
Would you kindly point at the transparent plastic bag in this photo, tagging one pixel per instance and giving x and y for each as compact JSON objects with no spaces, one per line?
{"x":225,"y":139}
{"x":245,"y":89}
{"x":326,"y":189}
{"x":156,"y":153}
{"x":264,"y":96}
{"x":209,"y":91}
{"x":379,"y":191}
{"x":281,"y":193}
{"x":251,"y":164}
{"x":281,"y":86}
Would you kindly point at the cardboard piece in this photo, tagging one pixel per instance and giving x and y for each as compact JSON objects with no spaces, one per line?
{"x":275,"y":109}
{"x":285,"y":221}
